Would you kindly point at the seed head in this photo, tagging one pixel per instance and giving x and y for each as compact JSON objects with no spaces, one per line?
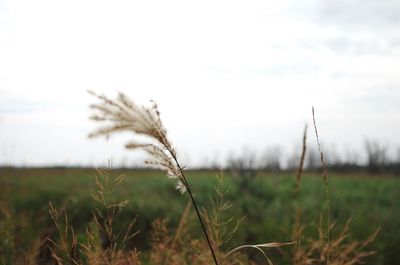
{"x":121,"y":115}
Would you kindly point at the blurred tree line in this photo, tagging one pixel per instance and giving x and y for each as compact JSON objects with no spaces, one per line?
{"x":374,"y":159}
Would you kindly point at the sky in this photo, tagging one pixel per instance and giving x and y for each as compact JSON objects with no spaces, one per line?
{"x":228,"y":76}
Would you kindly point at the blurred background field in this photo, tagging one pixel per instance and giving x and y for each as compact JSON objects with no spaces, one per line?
{"x":266,"y":200}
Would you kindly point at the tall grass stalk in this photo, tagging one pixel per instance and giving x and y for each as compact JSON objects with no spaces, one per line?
{"x":299,"y":171}
{"x":325,"y":180}
{"x":121,"y":115}
{"x":297,"y":213}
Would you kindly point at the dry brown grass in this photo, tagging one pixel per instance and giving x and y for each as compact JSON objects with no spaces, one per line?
{"x":183,"y":247}
{"x":325,"y":249}
{"x":340,"y":250}
{"x":103,"y":245}
{"x":168,"y":247}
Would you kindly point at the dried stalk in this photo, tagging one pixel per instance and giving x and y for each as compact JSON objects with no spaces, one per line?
{"x":122,"y":114}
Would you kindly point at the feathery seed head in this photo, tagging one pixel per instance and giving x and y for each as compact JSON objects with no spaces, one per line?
{"x":122,"y":114}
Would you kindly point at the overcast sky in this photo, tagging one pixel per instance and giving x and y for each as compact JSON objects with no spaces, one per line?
{"x":227,"y":75}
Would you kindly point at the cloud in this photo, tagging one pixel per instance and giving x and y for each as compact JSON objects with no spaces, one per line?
{"x":359,"y":14}
{"x":356,"y":27}
{"x":382,"y":99}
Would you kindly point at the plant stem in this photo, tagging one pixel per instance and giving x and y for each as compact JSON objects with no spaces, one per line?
{"x":202,"y":226}
{"x":195,"y":207}
{"x":324,"y":178}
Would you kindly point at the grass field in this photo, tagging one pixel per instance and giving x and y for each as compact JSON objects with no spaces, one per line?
{"x":267,"y":203}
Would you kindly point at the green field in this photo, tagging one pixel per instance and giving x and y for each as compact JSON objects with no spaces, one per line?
{"x":267,"y":202}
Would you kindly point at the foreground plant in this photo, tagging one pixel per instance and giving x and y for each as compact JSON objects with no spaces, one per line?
{"x":183,"y":246}
{"x":121,"y":115}
{"x":103,"y":244}
{"x":339,"y":250}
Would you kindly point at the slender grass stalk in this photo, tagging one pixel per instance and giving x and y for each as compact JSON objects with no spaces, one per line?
{"x":299,"y":171}
{"x":121,"y":115}
{"x":194,"y":203}
{"x":325,"y":179}
{"x":297,"y":213}
{"x":260,"y":247}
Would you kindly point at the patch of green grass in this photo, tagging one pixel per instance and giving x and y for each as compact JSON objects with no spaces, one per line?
{"x":267,"y":202}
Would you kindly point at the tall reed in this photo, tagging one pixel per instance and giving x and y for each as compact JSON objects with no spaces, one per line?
{"x":325,"y":180}
{"x":121,"y":115}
